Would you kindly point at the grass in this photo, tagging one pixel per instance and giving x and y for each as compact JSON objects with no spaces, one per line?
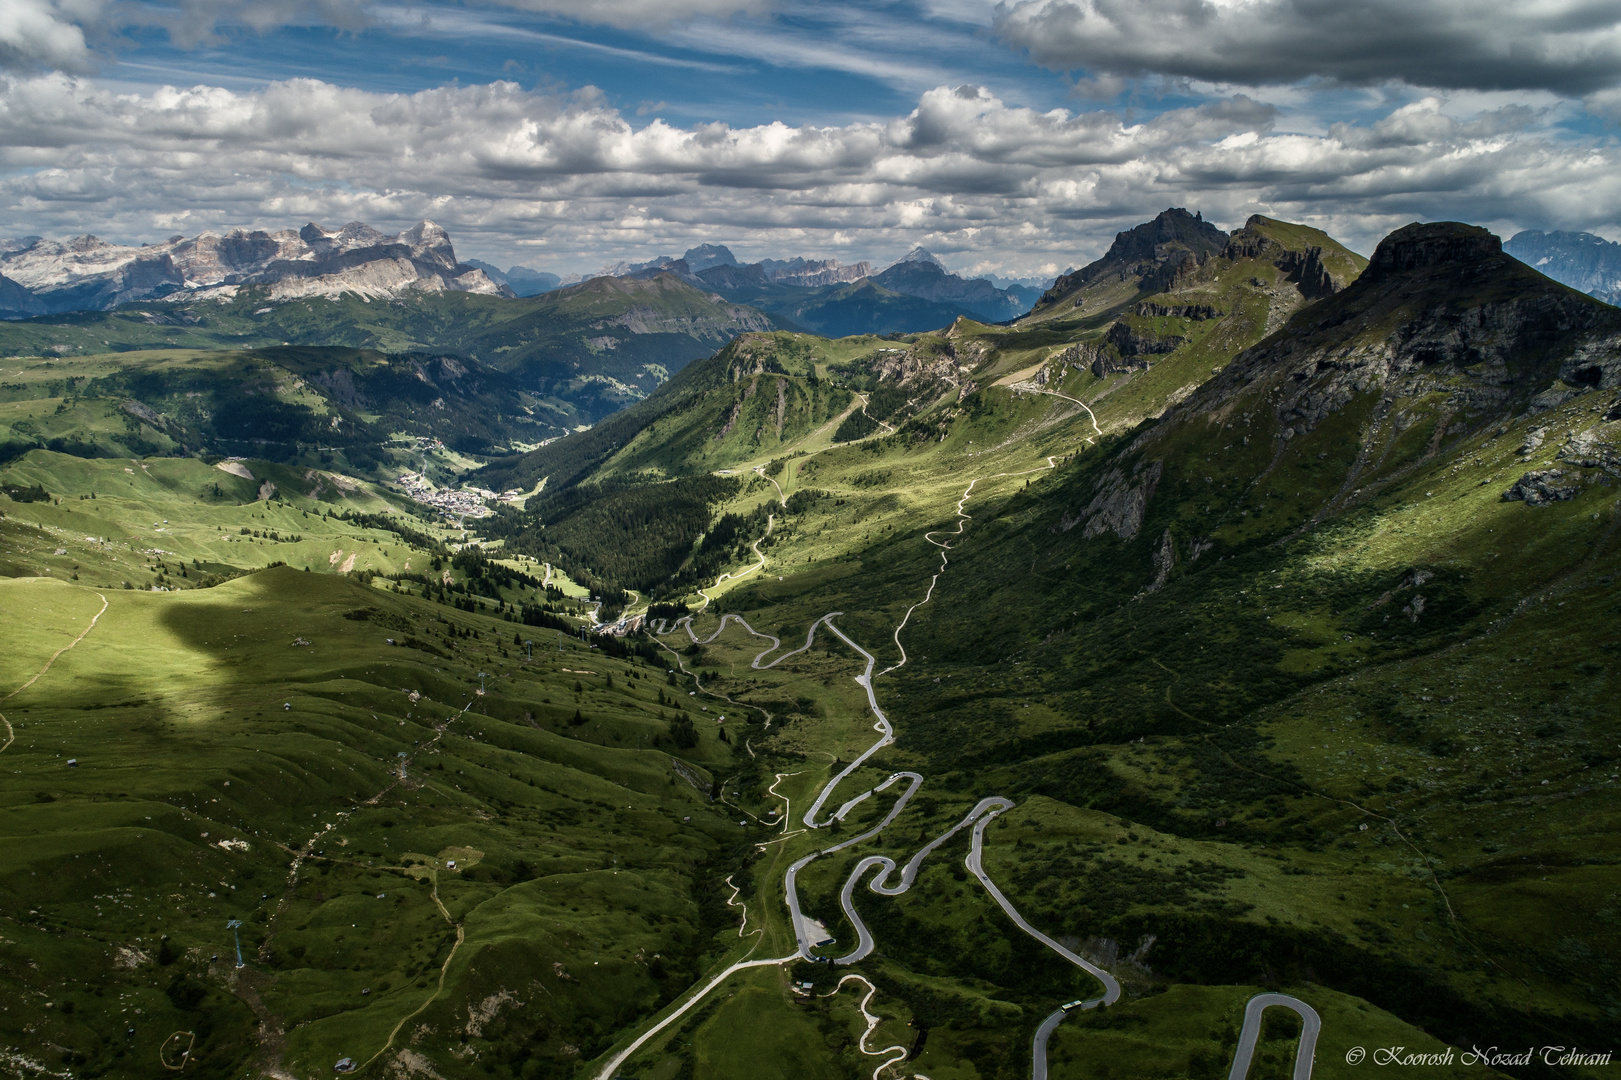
{"x":661,"y":326}
{"x":1278,"y":641}
{"x":173,"y":709}
{"x":1189,"y":1031}
{"x":1265,"y":766}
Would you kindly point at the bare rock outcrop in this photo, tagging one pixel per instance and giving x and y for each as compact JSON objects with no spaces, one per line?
{"x":1119,"y":503}
{"x":1541,"y":487}
{"x":88,"y":273}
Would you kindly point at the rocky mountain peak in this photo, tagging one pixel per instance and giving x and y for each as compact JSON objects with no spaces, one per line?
{"x":1433,"y":244}
{"x":704,"y":256}
{"x":1156,"y":250}
{"x":921,"y":254}
{"x":87,"y":273}
{"x":358,"y":233}
{"x":1581,"y":260}
{"x":1175,"y":228}
{"x":431,"y":243}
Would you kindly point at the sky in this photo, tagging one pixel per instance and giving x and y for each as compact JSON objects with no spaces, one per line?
{"x":1014,"y":138}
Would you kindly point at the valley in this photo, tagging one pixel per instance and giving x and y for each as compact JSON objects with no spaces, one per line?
{"x":1228,"y":631}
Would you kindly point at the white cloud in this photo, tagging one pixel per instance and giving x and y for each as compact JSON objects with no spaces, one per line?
{"x":38,"y":33}
{"x":1606,"y":103}
{"x":1568,"y":46}
{"x":569,"y":183}
{"x":52,"y":33}
{"x":638,"y":14}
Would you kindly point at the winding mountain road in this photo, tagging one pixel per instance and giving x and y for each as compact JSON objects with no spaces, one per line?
{"x":1310,"y":1026}
{"x":983,"y":813}
{"x":892,"y":1055}
{"x":781,"y":498}
{"x":609,"y":1070}
{"x":770,"y":519}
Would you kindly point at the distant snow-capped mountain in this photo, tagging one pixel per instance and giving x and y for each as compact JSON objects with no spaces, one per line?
{"x":44,"y":277}
{"x":922,"y":255}
{"x":1578,"y":259}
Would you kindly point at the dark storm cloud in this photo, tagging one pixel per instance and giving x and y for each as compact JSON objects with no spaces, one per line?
{"x":1570,"y":47}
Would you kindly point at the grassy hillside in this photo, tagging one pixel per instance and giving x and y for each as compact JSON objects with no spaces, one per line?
{"x":289,"y":403}
{"x":588,"y":349}
{"x":1287,"y":645}
{"x":1331,"y":696}
{"x":292,"y":747}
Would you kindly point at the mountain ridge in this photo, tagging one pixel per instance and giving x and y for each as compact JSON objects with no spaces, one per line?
{"x":1261,"y":591}
{"x":1581,"y":260}
{"x":88,"y":273}
{"x":585,"y":350}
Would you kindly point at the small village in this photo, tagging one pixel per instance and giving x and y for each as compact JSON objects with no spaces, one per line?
{"x":452,"y":502}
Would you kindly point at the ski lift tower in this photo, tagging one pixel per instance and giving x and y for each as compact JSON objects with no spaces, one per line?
{"x":237,"y":935}
{"x":529,"y":647}
{"x":481,"y":682}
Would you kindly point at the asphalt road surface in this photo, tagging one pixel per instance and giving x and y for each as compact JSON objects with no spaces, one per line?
{"x":1310,"y":1025}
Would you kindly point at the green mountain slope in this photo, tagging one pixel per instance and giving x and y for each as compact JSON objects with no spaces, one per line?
{"x":590,"y":348}
{"x":1285,"y":640}
{"x":348,"y":408}
{"x":1180,"y":295}
{"x":1331,"y":618}
{"x":610,"y":514}
{"x":187,"y":745}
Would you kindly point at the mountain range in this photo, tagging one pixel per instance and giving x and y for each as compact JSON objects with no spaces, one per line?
{"x":583,"y":352}
{"x":828,"y":297}
{"x":44,"y":277}
{"x":1579,"y":259}
{"x":1232,"y":627}
{"x":48,"y":277}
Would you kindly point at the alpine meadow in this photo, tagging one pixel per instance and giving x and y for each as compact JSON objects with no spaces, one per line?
{"x":1122,"y":585}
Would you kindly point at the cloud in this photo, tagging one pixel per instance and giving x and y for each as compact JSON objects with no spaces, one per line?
{"x":38,"y":34}
{"x":52,"y":34}
{"x":1572,"y":47}
{"x":567,"y":182}
{"x":1606,"y":103}
{"x":638,"y":14}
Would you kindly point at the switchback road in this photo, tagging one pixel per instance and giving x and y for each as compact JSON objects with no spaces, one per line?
{"x":1310,"y":1025}
{"x":987,"y":810}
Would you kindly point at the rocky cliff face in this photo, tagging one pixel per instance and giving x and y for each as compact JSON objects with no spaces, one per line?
{"x":812,"y":273}
{"x":88,"y":273}
{"x":1440,"y":305}
{"x":1443,"y":336}
{"x":1161,"y":248}
{"x":1578,"y":259}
